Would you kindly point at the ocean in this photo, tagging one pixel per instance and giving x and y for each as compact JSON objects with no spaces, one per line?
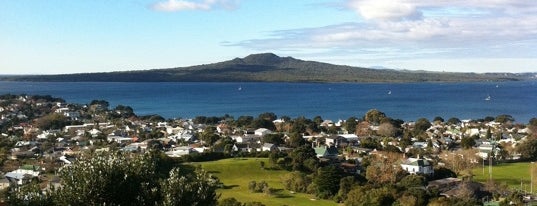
{"x":406,"y":101}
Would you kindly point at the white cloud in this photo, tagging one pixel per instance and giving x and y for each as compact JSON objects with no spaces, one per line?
{"x":181,"y":5}
{"x":385,"y":9}
{"x":395,"y":30}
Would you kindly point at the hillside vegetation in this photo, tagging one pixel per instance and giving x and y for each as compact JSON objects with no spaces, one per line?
{"x":268,"y":67}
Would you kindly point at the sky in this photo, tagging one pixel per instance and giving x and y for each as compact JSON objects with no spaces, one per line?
{"x":78,"y":36}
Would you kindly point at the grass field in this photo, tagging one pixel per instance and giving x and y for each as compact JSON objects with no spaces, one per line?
{"x":235,"y":174}
{"x":510,"y":173}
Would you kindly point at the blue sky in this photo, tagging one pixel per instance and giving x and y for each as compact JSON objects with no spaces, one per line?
{"x":58,"y":36}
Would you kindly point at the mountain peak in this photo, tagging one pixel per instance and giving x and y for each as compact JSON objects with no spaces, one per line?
{"x":263,"y":59}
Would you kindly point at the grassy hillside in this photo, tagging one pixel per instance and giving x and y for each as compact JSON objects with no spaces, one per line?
{"x":508,"y":173}
{"x":270,"y":68}
{"x":235,"y":174}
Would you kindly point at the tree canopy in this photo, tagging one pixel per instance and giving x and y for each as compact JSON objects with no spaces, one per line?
{"x":119,"y":179}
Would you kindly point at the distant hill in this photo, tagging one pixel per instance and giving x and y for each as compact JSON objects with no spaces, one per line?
{"x":268,"y":67}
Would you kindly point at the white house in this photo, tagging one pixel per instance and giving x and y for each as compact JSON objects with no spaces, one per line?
{"x":418,"y":166}
{"x":23,"y":175}
{"x":269,"y":147}
{"x":180,"y":151}
{"x":262,"y":131}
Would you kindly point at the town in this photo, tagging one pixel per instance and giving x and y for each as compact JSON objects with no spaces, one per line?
{"x":367,"y":160}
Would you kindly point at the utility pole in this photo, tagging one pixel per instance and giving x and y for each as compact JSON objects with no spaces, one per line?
{"x":490,"y":167}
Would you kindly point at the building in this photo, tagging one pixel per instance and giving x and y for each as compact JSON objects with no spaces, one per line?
{"x":418,"y":166}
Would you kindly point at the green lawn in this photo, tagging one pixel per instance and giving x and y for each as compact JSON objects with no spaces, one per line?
{"x":235,"y":174}
{"x":510,"y":173}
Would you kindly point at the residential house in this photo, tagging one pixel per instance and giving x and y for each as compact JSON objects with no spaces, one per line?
{"x":269,"y":147}
{"x":418,"y":166}
{"x":180,"y":151}
{"x":262,"y":132}
{"x":23,"y":175}
{"x":326,"y":152}
{"x":336,"y":141}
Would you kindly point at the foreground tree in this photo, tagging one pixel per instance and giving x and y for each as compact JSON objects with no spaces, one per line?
{"x":117,"y":179}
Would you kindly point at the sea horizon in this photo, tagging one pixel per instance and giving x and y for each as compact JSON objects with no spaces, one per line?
{"x":334,"y":101}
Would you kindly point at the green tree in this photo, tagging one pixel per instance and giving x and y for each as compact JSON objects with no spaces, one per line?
{"x":350,"y":125}
{"x":300,"y":155}
{"x":374,"y":116}
{"x":504,"y":118}
{"x":105,"y":178}
{"x":268,"y":116}
{"x":263,"y":123}
{"x":467,"y":142}
{"x":361,"y":196}
{"x":52,"y":121}
{"x":422,"y":124}
{"x":454,"y":120}
{"x":197,"y":189}
{"x":528,"y":149}
{"x":276,"y":139}
{"x":345,"y":186}
{"x":410,"y":181}
{"x":296,"y":140}
{"x":327,"y":181}
{"x":438,"y":119}
{"x":296,"y":181}
{"x":209,"y":136}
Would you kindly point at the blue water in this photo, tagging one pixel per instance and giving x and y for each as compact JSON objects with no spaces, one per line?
{"x":407,"y":101}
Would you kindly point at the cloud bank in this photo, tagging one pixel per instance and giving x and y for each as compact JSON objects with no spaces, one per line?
{"x":396,"y":29}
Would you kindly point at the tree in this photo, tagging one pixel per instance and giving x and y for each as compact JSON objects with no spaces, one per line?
{"x":296,"y":181}
{"x":422,"y":124}
{"x":105,"y":178}
{"x":374,"y":116}
{"x":350,"y":125}
{"x":296,"y":140}
{"x":299,"y":157}
{"x":460,"y":160}
{"x":102,"y":103}
{"x":268,"y":116}
{"x":384,"y":169}
{"x":197,"y":189}
{"x":387,"y":130}
{"x":504,"y":118}
{"x":263,"y":123}
{"x":410,"y":181}
{"x":244,"y":121}
{"x":528,"y":149}
{"x":467,"y":142}
{"x":276,"y":139}
{"x":209,"y":136}
{"x":327,"y":181}
{"x":438,"y":119}
{"x":345,"y":186}
{"x":454,"y":121}
{"x":52,"y":121}
{"x":362,"y":196}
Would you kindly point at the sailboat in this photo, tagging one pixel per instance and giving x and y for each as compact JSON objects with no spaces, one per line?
{"x":488,"y":98}
{"x":240,"y":88}
{"x":389,"y":91}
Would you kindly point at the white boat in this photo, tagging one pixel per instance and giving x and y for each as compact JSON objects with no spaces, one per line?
{"x":389,"y":91}
{"x":488,"y":98}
